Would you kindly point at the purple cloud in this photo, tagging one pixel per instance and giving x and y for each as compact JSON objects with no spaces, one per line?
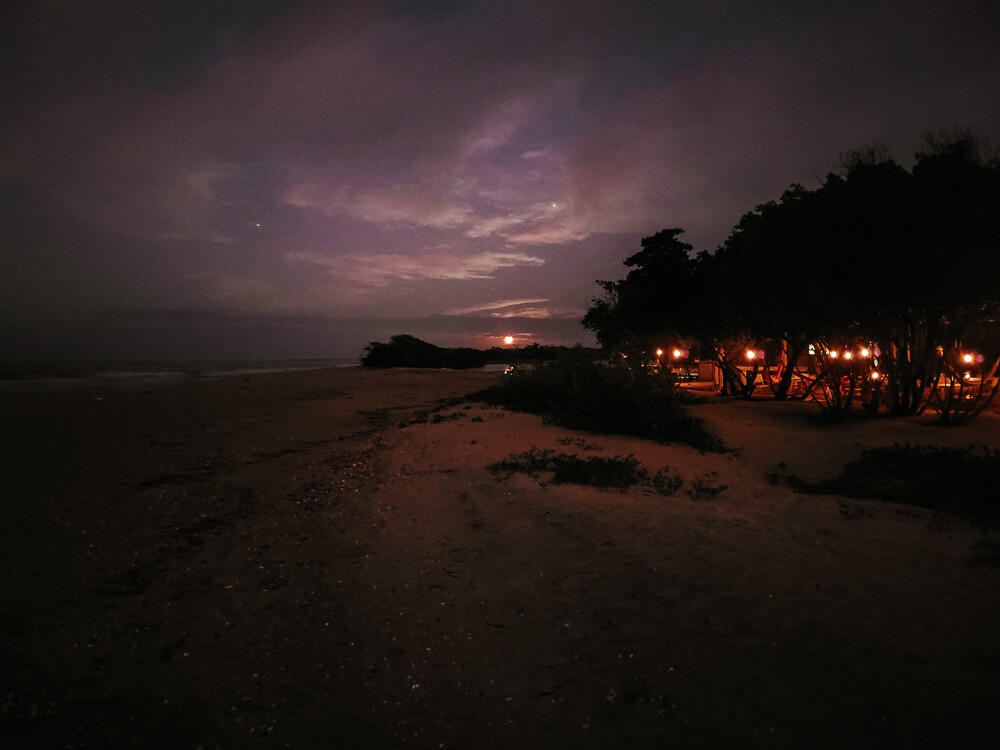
{"x":382,"y":270}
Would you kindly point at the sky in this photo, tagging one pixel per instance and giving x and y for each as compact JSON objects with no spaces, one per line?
{"x":243,"y":179}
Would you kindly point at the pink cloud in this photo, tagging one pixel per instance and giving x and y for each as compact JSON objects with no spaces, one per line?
{"x":494,"y":306}
{"x":384,"y":270}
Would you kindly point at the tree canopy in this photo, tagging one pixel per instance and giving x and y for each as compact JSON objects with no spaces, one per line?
{"x":897,"y":269}
{"x":403,"y":350}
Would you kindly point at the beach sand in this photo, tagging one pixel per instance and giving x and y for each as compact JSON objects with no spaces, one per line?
{"x":319,"y":560}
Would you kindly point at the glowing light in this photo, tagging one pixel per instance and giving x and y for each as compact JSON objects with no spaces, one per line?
{"x":812,"y":350}
{"x":864,"y":351}
{"x":967,"y":376}
{"x":875,"y":375}
{"x":848,"y":355}
{"x":659,"y":353}
{"x":678,"y":354}
{"x":751,"y":354}
{"x":834,"y":354}
{"x":968,"y":359}
{"x":508,"y":340}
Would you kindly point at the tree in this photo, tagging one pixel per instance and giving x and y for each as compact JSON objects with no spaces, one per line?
{"x":652,"y":302}
{"x":889,"y":277}
{"x":404,"y":350}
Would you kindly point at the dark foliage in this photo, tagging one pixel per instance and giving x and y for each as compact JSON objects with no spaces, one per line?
{"x":896,"y":269}
{"x":620,"y":472}
{"x":586,"y":395}
{"x":408,"y":351}
{"x":961,"y":481}
{"x":666,"y":482}
{"x":537,"y":353}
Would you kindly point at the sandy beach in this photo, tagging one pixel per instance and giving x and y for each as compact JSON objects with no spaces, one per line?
{"x":322,"y":560}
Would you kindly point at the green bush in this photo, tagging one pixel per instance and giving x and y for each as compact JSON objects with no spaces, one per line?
{"x":599,"y":397}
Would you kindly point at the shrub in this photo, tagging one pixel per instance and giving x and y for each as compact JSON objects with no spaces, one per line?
{"x":586,"y":395}
{"x":961,"y":481}
{"x":667,"y":482}
{"x":704,"y":488}
{"x":597,"y":471}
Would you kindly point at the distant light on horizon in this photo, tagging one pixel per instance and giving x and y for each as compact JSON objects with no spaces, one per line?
{"x":508,"y":340}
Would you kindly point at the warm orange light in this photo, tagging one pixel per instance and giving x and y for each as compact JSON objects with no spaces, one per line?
{"x":659,"y":353}
{"x":864,"y":351}
{"x":967,"y":376}
{"x":834,"y":354}
{"x":875,"y":375}
{"x":751,"y":354}
{"x":848,"y":355}
{"x":968,"y":359}
{"x":678,"y":353}
{"x":508,"y":340}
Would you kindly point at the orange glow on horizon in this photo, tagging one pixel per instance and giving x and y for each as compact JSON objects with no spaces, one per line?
{"x":508,"y":340}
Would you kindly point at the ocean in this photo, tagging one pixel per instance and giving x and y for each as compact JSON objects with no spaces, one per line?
{"x":35,"y":376}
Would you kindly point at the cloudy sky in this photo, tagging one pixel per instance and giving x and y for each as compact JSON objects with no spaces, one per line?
{"x":191,"y":179}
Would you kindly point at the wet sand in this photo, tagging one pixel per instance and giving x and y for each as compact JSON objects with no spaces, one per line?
{"x":318,"y":559}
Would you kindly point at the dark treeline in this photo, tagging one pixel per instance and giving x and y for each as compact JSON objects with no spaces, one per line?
{"x":404,"y":350}
{"x":538,"y":353}
{"x":878,"y":290}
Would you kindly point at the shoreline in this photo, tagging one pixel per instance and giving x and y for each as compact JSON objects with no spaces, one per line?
{"x":288,"y":558}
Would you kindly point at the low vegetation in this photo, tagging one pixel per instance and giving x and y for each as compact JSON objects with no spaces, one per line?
{"x":706,"y":488}
{"x":960,"y":481}
{"x":595,"y":396}
{"x":618,"y":472}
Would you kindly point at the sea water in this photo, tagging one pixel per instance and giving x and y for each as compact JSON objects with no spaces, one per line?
{"x":34,"y":376}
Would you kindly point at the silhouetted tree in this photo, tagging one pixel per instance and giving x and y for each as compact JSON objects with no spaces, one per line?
{"x":889,"y":277}
{"x":653,"y":301}
{"x":403,"y":350}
